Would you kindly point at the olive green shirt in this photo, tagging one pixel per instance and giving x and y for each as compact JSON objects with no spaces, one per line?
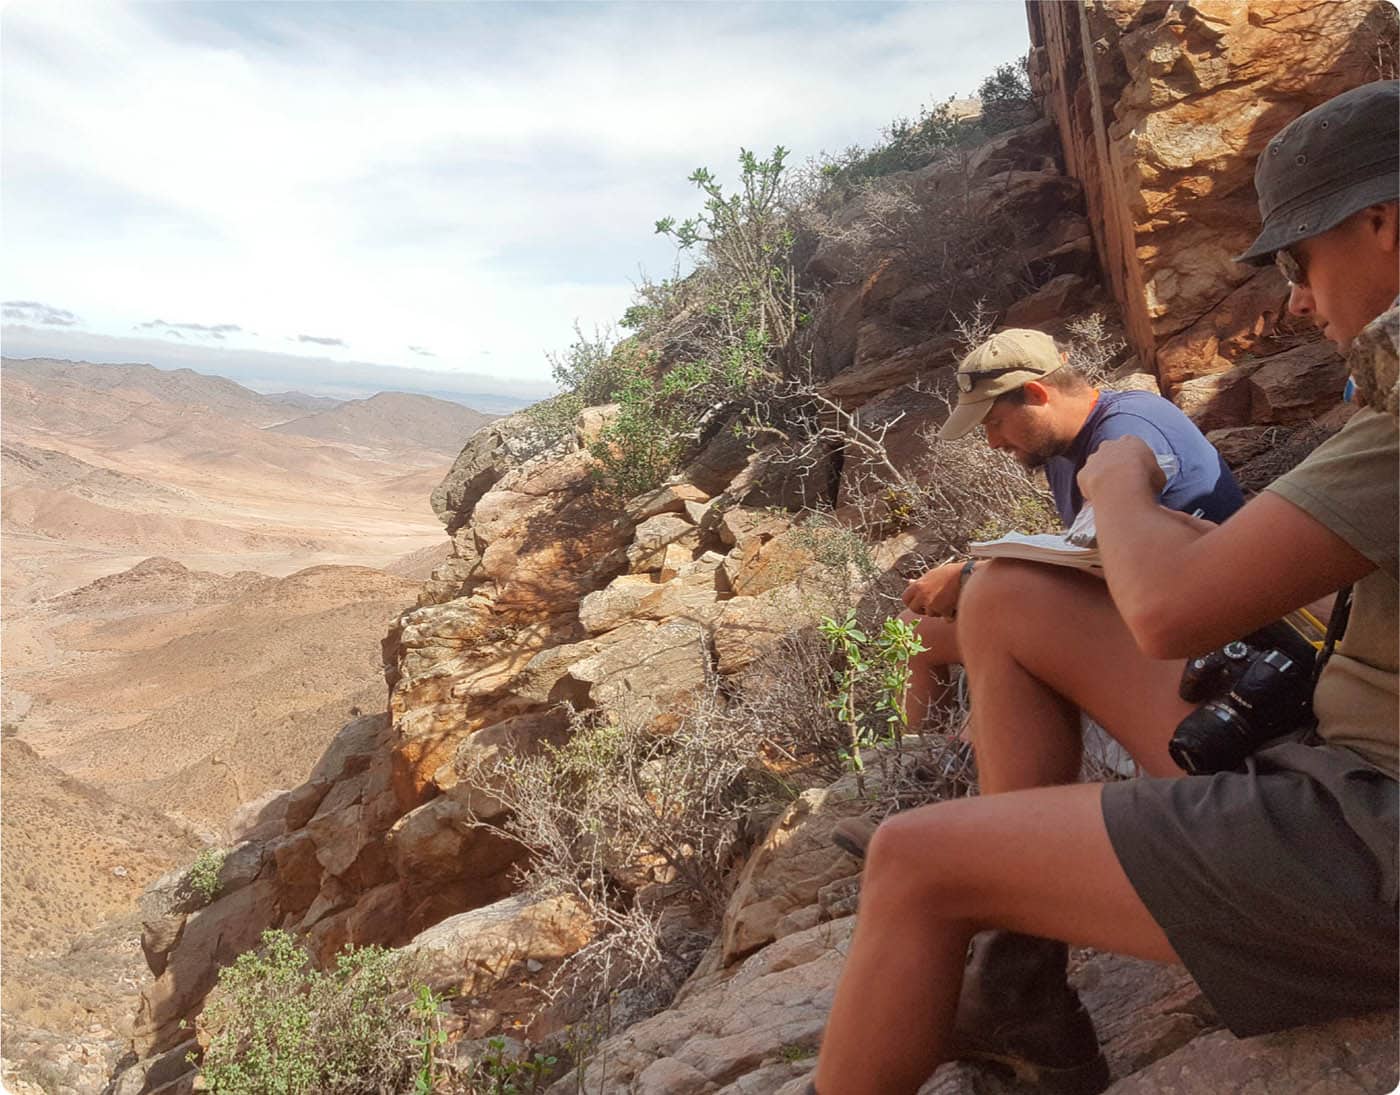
{"x":1349,"y":484}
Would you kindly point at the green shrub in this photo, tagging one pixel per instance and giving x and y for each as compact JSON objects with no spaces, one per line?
{"x":589,"y":368}
{"x":278,"y":1026}
{"x":906,"y":144}
{"x":496,"y":1072}
{"x":204,"y":873}
{"x":872,"y":674}
{"x":1006,"y":97}
{"x":642,"y":444}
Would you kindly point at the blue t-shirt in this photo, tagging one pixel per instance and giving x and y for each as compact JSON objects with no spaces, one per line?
{"x":1202,"y":482}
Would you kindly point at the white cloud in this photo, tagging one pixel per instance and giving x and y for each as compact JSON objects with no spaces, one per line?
{"x":470,"y":177}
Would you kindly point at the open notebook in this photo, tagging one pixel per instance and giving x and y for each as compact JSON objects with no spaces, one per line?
{"x":1076,"y":547}
{"x":1040,"y":548}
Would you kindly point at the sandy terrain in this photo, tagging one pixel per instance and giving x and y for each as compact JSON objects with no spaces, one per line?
{"x":193,"y":604}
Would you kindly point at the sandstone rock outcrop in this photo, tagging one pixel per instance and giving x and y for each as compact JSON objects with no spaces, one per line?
{"x":1162,"y":110}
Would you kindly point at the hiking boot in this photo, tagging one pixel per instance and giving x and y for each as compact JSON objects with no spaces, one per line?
{"x":853,"y":834}
{"x":1018,"y":1010}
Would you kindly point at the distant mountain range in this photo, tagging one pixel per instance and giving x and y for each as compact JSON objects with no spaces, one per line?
{"x":431,"y":423}
{"x":62,"y":397}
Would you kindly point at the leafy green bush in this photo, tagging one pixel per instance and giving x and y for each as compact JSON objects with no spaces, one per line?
{"x":906,"y":144}
{"x":872,"y":674}
{"x":496,"y":1072}
{"x":642,"y":444}
{"x":278,"y":1026}
{"x":1006,"y":97}
{"x":204,"y":873}
{"x":589,"y":368}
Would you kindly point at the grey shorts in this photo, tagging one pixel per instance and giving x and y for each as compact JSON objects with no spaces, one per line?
{"x":1276,"y":886}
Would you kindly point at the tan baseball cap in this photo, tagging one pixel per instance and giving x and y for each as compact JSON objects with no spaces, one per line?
{"x":1001,"y":364}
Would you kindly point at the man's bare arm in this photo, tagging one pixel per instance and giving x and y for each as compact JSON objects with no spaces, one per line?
{"x":1183,"y":590}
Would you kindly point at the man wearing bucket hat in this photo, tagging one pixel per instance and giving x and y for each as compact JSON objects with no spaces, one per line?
{"x":1322,"y":192}
{"x":1273,"y":882}
{"x":1041,"y":410}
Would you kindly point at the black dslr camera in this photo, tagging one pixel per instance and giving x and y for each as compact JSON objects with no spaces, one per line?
{"x":1261,"y":690}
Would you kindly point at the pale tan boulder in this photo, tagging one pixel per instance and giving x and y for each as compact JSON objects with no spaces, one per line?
{"x":545,"y":678}
{"x":618,"y":602}
{"x":474,"y":951}
{"x":489,"y":454}
{"x":692,"y":592}
{"x":740,"y":524}
{"x":787,"y":870}
{"x":670,"y":498}
{"x":648,"y":549}
{"x":748,"y":627}
{"x":650,"y":677}
{"x":675,"y":556}
{"x":758,"y":566}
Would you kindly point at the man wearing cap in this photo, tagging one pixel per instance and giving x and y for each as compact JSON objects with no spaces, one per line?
{"x":1274,"y":882}
{"x":1040,"y":410}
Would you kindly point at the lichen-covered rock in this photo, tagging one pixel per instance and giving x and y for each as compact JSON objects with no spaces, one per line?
{"x":1348,"y":1057}
{"x":212,"y":937}
{"x":651,"y":677}
{"x":787,"y":870}
{"x":693,"y":592}
{"x":489,"y":454}
{"x":670,"y":498}
{"x":654,"y":535}
{"x":471,"y":953}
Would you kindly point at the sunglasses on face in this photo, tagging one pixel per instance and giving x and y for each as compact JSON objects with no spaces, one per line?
{"x":968,"y":381}
{"x":1291,"y":266}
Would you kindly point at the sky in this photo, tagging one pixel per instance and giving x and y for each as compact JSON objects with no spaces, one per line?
{"x":423,"y":196}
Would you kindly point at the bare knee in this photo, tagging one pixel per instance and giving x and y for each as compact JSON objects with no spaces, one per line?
{"x":1008,"y":593}
{"x":909,"y":860}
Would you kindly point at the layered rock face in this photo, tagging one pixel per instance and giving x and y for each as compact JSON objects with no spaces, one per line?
{"x":1162,"y":110}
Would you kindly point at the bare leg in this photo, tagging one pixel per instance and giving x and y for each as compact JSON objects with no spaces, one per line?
{"x":928,"y":680}
{"x":1036,"y":861}
{"x":1040,"y":643}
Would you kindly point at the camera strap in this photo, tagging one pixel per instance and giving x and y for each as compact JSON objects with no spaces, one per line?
{"x":1336,"y":627}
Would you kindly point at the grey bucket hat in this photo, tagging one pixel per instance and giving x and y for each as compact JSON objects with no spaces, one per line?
{"x":1331,"y":162}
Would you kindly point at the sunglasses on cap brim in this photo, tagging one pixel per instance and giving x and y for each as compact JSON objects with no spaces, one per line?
{"x":968,"y":381}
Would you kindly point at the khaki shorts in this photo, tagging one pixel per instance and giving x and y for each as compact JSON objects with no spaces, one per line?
{"x":1276,"y":885}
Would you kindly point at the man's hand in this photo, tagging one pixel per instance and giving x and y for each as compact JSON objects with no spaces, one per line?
{"x":936,"y":593}
{"x":1124,"y":462}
